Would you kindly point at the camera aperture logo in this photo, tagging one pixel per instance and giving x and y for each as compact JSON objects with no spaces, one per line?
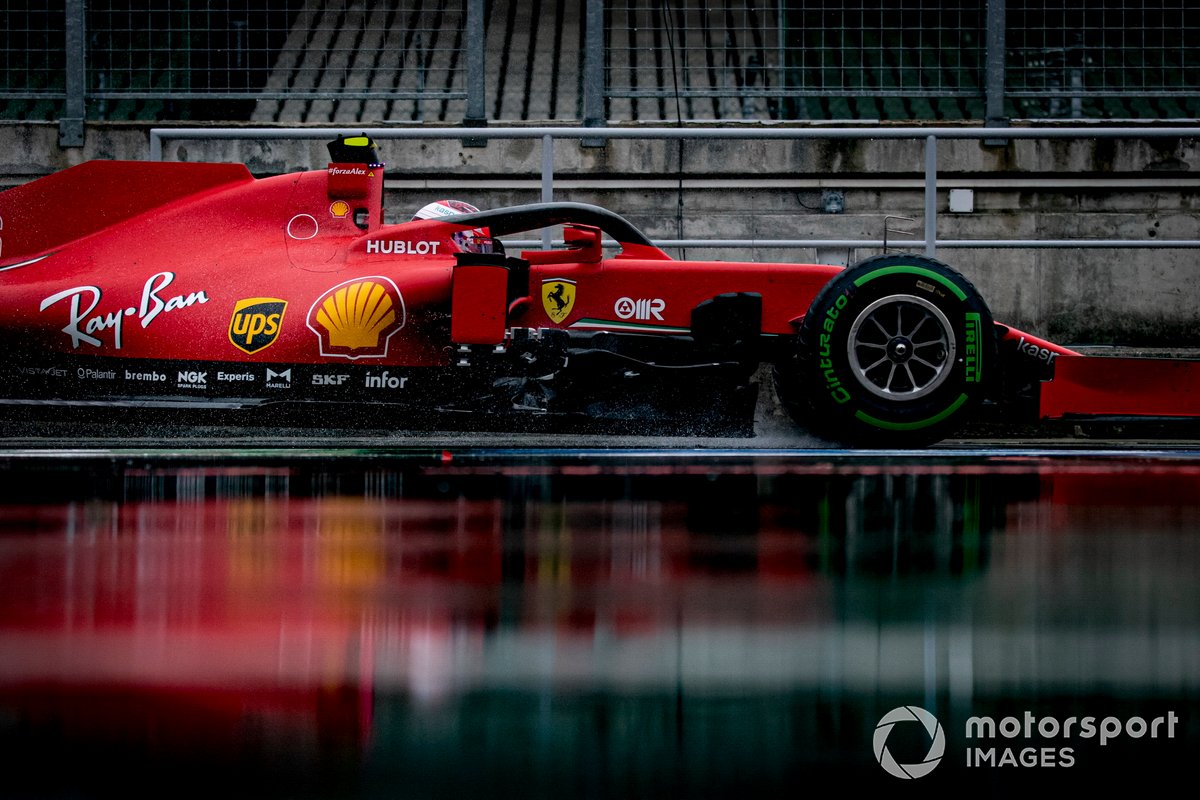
{"x":937,"y":744}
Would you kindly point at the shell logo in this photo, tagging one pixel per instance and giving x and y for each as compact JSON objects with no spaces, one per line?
{"x":339,"y":209}
{"x":356,"y":319}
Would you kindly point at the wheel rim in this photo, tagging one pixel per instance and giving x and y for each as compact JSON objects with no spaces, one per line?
{"x":901,"y":347}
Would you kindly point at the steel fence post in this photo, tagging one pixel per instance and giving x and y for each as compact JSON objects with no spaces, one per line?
{"x":70,"y":126}
{"x":931,"y":196}
{"x":547,"y":182}
{"x":476,"y":116}
{"x":593,"y":70}
{"x":994,"y":60}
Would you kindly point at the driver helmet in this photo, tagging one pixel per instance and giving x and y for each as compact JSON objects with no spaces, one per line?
{"x":476,"y":240}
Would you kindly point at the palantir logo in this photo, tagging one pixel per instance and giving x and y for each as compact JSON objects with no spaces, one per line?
{"x":937,"y":746}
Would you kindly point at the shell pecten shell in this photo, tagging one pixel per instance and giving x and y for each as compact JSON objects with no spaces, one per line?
{"x":356,"y":315}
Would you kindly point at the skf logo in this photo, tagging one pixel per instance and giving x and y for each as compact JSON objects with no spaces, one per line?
{"x":558,"y":298}
{"x":356,"y":319}
{"x":256,"y":322}
{"x":643,"y":308}
{"x":329,"y":380}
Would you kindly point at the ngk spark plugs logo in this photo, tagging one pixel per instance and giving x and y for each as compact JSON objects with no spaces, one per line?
{"x":191,"y":379}
{"x":256,"y":322}
{"x":356,"y":319}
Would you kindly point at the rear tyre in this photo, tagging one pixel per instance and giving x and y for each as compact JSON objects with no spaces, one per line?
{"x":893,"y":352}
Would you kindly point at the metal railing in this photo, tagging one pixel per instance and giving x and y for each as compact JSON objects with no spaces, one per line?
{"x":930,"y":137}
{"x":469,"y":61}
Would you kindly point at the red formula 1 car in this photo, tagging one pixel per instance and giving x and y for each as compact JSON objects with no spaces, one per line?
{"x":196,"y":284}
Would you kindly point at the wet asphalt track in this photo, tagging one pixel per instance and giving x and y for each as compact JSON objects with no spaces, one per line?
{"x":333,"y":433}
{"x":329,"y":608}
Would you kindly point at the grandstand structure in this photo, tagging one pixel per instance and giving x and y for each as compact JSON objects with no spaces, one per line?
{"x":814,"y":84}
{"x":388,"y":60}
{"x":404,"y":61}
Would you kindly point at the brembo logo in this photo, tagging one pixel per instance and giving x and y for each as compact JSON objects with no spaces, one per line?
{"x":937,"y":743}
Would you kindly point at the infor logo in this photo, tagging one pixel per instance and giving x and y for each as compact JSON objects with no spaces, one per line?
{"x":937,"y":746}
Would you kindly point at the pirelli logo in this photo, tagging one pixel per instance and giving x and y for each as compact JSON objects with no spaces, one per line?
{"x":256,"y":322}
{"x":972,"y":364}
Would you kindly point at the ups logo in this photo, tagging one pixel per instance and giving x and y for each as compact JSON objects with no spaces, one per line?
{"x":256,"y":322}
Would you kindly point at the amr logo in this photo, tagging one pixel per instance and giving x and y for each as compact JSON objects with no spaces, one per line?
{"x":642,"y":308}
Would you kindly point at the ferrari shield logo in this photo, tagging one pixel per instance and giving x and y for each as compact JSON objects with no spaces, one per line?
{"x":558,"y":298}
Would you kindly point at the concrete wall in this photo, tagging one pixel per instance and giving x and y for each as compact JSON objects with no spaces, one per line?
{"x":1142,"y":189}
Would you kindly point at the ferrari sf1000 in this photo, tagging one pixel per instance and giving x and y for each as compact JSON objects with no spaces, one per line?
{"x":185,"y":284}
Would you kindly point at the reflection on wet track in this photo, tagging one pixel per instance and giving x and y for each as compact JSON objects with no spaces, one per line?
{"x":621,"y":624}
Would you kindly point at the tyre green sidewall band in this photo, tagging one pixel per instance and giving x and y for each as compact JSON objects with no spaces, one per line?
{"x":901,"y":269}
{"x":912,"y":426}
